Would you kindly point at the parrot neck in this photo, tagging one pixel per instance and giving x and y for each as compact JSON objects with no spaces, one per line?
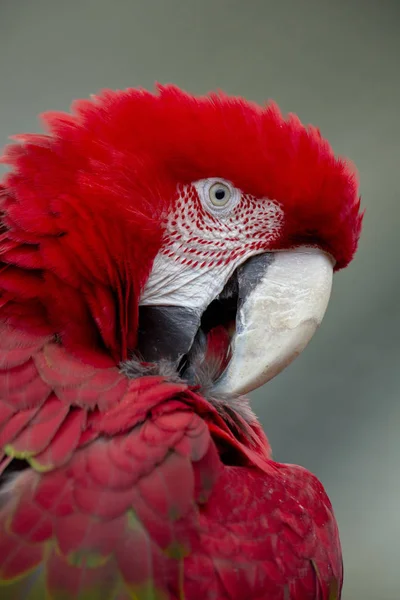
{"x":232,"y":414}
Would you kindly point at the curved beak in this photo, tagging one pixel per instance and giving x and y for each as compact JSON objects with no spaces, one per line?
{"x":282,"y":299}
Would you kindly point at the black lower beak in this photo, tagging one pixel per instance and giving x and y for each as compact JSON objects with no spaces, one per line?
{"x":166,"y":332}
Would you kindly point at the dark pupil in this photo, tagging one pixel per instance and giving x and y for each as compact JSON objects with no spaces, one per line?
{"x":220,"y":194}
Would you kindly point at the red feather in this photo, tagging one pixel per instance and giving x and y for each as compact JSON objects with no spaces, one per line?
{"x":139,"y":488}
{"x":149,"y":496}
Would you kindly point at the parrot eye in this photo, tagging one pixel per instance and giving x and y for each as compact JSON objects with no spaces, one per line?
{"x":219,"y":194}
{"x":219,"y":197}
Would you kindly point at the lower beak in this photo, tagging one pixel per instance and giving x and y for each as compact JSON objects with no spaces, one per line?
{"x":166,"y":332}
{"x":281,"y":303}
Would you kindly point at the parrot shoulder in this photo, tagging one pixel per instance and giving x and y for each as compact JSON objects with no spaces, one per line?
{"x":272,"y":530}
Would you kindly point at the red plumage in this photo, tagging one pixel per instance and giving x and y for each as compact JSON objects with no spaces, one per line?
{"x":153,"y":478}
{"x":139,"y":486}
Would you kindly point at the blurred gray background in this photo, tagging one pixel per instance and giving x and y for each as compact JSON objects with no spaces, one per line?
{"x":336,"y":64}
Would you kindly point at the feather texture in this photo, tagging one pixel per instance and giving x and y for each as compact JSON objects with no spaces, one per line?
{"x":137,"y":486}
{"x":147,"y":494}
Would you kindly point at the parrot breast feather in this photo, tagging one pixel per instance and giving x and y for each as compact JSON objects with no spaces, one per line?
{"x":102,"y":479}
{"x":151,"y":497}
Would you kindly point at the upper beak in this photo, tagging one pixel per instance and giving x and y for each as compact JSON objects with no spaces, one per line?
{"x":282,"y":298}
{"x":281,"y":303}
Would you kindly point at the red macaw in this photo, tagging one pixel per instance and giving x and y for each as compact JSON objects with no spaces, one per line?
{"x":163,"y":255}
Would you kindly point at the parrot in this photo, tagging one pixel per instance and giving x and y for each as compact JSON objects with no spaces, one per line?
{"x":163,"y":255}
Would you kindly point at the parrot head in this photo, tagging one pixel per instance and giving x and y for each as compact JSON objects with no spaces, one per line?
{"x":147,"y":222}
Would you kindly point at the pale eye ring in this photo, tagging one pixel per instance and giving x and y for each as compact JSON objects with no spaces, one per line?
{"x":219,"y":194}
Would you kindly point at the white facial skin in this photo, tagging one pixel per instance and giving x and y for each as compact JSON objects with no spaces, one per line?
{"x":213,"y":230}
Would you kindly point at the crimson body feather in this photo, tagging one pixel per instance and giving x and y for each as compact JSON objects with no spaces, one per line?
{"x":139,"y":482}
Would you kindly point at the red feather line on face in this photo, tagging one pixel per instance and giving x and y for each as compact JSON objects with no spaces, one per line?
{"x":84,"y":207}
